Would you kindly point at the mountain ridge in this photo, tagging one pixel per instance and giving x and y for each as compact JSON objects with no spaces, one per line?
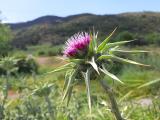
{"x":43,"y":20}
{"x":39,"y":20}
{"x":56,"y":30}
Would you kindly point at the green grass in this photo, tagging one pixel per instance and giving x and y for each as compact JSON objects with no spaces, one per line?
{"x":45,"y":50}
{"x":40,"y":50}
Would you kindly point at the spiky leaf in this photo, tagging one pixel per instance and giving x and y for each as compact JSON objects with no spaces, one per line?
{"x":69,"y":94}
{"x":67,"y":75}
{"x":149,"y":83}
{"x":106,"y":57}
{"x":110,"y":74}
{"x":111,"y":45}
{"x":95,"y":40}
{"x":132,"y":51}
{"x":102,"y":45}
{"x":76,"y":60}
{"x":62,"y":68}
{"x":87,"y":81}
{"x":69,"y":84}
{"x":94,"y":65}
{"x":127,"y":61}
{"x":91,"y":46}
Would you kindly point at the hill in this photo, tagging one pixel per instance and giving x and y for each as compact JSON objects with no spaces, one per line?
{"x":40,"y":20}
{"x":56,"y":30}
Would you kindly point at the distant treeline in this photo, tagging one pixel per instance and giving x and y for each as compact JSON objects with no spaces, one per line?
{"x":143,"y":26}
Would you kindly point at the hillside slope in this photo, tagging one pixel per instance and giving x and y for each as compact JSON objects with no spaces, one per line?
{"x":56,"y":30}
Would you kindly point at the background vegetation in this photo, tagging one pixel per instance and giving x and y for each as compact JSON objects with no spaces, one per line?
{"x":35,"y":47}
{"x":55,"y":30}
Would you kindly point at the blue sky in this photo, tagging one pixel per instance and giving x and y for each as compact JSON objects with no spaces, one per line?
{"x":24,"y":10}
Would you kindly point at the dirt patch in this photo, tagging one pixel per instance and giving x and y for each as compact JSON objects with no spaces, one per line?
{"x":51,"y":61}
{"x":11,"y":95}
{"x":145,"y":102}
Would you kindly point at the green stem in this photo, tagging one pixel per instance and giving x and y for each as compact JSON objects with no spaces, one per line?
{"x":114,"y":105}
{"x":51,"y":112}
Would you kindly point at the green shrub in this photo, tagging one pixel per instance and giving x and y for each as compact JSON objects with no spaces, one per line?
{"x":41,"y":53}
{"x":24,"y":65}
{"x":153,"y":38}
{"x":124,"y":36}
{"x":27,"y":65}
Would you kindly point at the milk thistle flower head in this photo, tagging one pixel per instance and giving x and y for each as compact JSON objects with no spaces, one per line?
{"x":77,"y":45}
{"x":87,"y":60}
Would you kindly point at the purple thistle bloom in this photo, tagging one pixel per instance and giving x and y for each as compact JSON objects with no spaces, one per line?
{"x":77,"y":43}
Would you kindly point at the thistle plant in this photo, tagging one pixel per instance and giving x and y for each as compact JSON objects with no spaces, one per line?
{"x":8,"y":64}
{"x":44,"y":91}
{"x":87,"y":60}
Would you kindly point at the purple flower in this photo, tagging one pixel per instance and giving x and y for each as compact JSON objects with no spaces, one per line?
{"x":76,"y":44}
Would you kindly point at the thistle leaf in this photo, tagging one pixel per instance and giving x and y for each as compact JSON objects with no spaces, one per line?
{"x":110,"y":74}
{"x":149,"y":83}
{"x":91,"y":46}
{"x":67,"y":75}
{"x":64,"y":67}
{"x":126,"y":96}
{"x":133,"y":51}
{"x":110,"y":45}
{"x":102,"y":45}
{"x":76,"y":60}
{"x":69,"y":84}
{"x":94,"y":65}
{"x":69,"y":94}
{"x":95,"y":40}
{"x":87,"y":81}
{"x":128,"y":61}
{"x":104,"y":57}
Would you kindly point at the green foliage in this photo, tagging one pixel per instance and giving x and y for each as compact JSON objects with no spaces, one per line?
{"x":8,"y":64}
{"x":125,"y":35}
{"x":20,"y":64}
{"x":22,"y":104}
{"x":153,"y":38}
{"x":27,"y":65}
{"x":135,"y":77}
{"x":5,"y":40}
{"x":44,"y":50}
{"x":131,"y":25}
{"x":103,"y":44}
{"x":31,"y":102}
{"x":30,"y":106}
{"x":43,"y":90}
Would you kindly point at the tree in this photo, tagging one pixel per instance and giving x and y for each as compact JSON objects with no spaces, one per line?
{"x":5,"y":39}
